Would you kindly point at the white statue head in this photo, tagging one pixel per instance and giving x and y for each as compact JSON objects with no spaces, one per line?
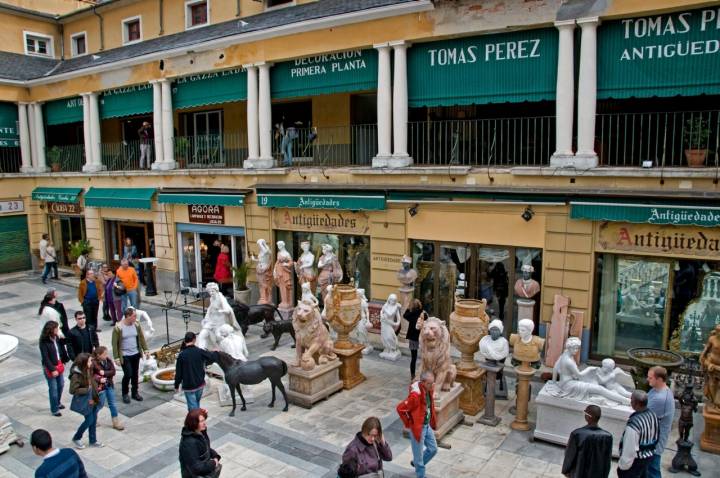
{"x":361,"y":293}
{"x":305,"y":246}
{"x":262,"y":243}
{"x":527,"y":268}
{"x":212,"y":289}
{"x":572,"y":345}
{"x":525,"y":328}
{"x":327,"y":249}
{"x":406,"y":259}
{"x":280,"y":245}
{"x":608,"y":365}
{"x":224,"y":331}
{"x":392,"y":299}
{"x":305,"y":287}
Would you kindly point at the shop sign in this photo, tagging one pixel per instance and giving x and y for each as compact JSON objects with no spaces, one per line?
{"x":670,"y":241}
{"x":204,"y":214}
{"x":10,"y":207}
{"x":674,"y":215}
{"x":337,"y":222}
{"x":64,"y":208}
{"x":660,"y":55}
{"x":384,"y":261}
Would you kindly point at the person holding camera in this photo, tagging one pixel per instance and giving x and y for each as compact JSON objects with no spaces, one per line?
{"x":146,"y":139}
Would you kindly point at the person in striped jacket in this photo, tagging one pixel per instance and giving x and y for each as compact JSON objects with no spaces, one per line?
{"x":637,"y":445}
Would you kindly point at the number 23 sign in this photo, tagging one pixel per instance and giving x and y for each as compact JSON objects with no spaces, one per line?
{"x":11,"y":206}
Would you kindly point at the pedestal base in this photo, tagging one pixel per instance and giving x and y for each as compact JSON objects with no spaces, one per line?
{"x":558,"y":417}
{"x":522,"y":399}
{"x":710,"y":438}
{"x":392,"y":356}
{"x":447,"y":410}
{"x":350,"y":366}
{"x":525,"y":309}
{"x":8,"y":435}
{"x":683,"y":460}
{"x":472,"y":398}
{"x":310,"y":386}
{"x":285,"y":313}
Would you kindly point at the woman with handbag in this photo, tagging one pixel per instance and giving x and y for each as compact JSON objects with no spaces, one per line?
{"x":197,"y":459}
{"x":53,"y":356}
{"x":223,"y":270}
{"x":86,"y":399}
{"x":368,"y":450}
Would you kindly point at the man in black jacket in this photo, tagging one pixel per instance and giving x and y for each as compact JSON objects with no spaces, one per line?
{"x":82,"y":338}
{"x":589,"y":449}
{"x":190,"y":370}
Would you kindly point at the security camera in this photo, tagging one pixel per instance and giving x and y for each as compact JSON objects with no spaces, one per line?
{"x":527,"y":214}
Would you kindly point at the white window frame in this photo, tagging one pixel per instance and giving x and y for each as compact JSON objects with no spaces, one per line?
{"x":73,"y":46}
{"x":125,"y":36}
{"x":49,"y":38}
{"x":188,"y":15}
{"x":276,"y":7}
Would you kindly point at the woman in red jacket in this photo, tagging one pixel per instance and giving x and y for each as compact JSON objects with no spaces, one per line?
{"x":223,"y":271}
{"x":417,"y":413}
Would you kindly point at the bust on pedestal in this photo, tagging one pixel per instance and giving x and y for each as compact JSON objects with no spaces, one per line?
{"x":526,"y":350}
{"x":525,"y":289}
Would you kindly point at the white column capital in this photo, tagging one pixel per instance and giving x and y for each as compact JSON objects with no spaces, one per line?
{"x":381,"y":45}
{"x":399,"y":44}
{"x":588,"y":21}
{"x":263,"y":65}
{"x":564,"y":24}
{"x":249,"y":66}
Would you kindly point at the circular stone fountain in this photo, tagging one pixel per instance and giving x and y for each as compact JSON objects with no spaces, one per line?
{"x":644,"y":358}
{"x":8,"y":346}
{"x":164,"y":379}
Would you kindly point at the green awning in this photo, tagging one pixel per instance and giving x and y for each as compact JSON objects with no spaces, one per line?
{"x":202,"y":199}
{"x":127,"y":198}
{"x":126,"y":101}
{"x":341,"y":72}
{"x":505,"y":67}
{"x":660,"y":55}
{"x":356,"y":201}
{"x":66,"y":110}
{"x":460,"y":196}
{"x":210,"y":88}
{"x":9,"y":125}
{"x":676,"y":215}
{"x":68,"y":195}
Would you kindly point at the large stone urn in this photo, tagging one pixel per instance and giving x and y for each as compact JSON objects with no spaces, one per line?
{"x":343,"y":312}
{"x":468,"y":324}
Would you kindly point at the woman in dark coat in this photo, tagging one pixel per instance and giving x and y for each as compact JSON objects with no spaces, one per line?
{"x":368,"y":449}
{"x":412,"y":314}
{"x":197,"y":458}
{"x":53,"y":357}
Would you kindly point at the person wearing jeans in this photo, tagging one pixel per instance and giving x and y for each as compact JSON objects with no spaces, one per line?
{"x":146,"y":138}
{"x":104,"y":372}
{"x":90,"y":293}
{"x":128,"y":344}
{"x":49,"y":255}
{"x":190,"y":370}
{"x":86,"y":399}
{"x":417,"y":413}
{"x":53,"y":357}
{"x":129,"y":279}
{"x":662,"y":402}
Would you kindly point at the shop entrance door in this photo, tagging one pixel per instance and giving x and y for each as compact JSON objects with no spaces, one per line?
{"x":65,"y":230}
{"x":199,"y":253}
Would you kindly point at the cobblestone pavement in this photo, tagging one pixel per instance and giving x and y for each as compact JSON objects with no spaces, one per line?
{"x":261,"y":442}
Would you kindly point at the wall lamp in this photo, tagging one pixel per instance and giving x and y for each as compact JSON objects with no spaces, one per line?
{"x":413,"y":210}
{"x":527,"y":214}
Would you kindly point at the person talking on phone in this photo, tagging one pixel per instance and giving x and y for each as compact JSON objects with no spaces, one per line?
{"x":367,"y":451}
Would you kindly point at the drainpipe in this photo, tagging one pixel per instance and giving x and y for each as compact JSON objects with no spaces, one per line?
{"x":102,"y":30}
{"x":160,"y":6}
{"x":62,"y":41}
{"x":237,"y":13}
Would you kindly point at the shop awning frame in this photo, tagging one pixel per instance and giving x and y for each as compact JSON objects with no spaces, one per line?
{"x":669,"y":214}
{"x":64,"y":195}
{"x":236,"y":200}
{"x":353,"y":201}
{"x":123,"y":198}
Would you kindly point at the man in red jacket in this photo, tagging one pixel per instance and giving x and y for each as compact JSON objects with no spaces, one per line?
{"x":417,"y":413}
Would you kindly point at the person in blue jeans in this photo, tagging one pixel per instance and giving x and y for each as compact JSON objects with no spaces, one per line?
{"x":86,"y":399}
{"x":104,"y":372}
{"x":190,"y":370}
{"x":53,"y":356}
{"x":662,"y":402}
{"x":417,"y":413}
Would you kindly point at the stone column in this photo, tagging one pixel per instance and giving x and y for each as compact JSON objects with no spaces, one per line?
{"x":564,"y":96}
{"x":264,"y":116}
{"x":25,"y":140}
{"x":168,"y":132}
{"x":586,"y":156}
{"x":400,"y":157}
{"x":157,"y":122}
{"x":93,"y":151}
{"x":40,"y":165}
{"x":252,"y":118}
{"x":384,"y":111}
{"x":87,"y":136}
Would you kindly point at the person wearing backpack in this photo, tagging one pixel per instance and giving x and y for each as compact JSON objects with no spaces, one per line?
{"x":417,"y":413}
{"x":86,"y":399}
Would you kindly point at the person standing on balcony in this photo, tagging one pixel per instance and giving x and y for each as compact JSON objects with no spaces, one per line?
{"x":146,"y":139}
{"x":289,"y":137}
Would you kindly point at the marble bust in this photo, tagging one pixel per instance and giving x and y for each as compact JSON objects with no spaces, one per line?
{"x":389,"y":321}
{"x":527,"y":287}
{"x":494,"y":347}
{"x":406,"y":276}
{"x":304,"y":267}
{"x":526,"y":346}
{"x":219,"y":313}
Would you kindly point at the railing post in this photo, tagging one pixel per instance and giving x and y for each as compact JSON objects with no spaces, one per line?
{"x":564,"y":96}
{"x":25,"y":140}
{"x":384,"y":110}
{"x":586,"y":156}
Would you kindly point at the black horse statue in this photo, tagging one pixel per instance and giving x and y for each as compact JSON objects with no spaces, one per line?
{"x":247,"y":315}
{"x":253,"y":372}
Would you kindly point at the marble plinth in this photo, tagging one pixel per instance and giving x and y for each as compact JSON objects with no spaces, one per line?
{"x":710,"y":438}
{"x":8,"y":346}
{"x":225,"y":398}
{"x":350,"y":365}
{"x":310,"y":386}
{"x":472,"y":398}
{"x":392,"y":356}
{"x":526,"y":308}
{"x":522,"y":397}
{"x":7,"y":434}
{"x":558,"y":417}
{"x":447,"y":410}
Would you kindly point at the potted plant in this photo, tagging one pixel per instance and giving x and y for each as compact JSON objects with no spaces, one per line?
{"x":78,"y":249}
{"x":182,"y":147}
{"x":242,"y":292}
{"x":53,"y":156}
{"x":696,"y":135}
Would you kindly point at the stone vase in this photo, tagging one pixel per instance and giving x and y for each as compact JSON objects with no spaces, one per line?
{"x":468,"y":324}
{"x":343,"y":311}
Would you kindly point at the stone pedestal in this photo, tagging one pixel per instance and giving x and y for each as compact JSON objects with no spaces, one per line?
{"x":350,"y":365}
{"x":286,"y":313}
{"x":710,"y":438}
{"x":472,"y":399}
{"x":525,"y":309}
{"x":558,"y":417}
{"x":310,"y":386}
{"x":683,"y":460}
{"x":8,"y":435}
{"x":447,"y":410}
{"x":392,"y":356}
{"x":489,"y":417}
{"x":522,"y":399}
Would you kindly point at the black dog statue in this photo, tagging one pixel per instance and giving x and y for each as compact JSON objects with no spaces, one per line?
{"x":247,"y":315}
{"x":277,"y":328}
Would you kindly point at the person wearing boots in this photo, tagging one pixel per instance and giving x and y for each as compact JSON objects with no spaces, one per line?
{"x":104,"y":373}
{"x":128,"y":341}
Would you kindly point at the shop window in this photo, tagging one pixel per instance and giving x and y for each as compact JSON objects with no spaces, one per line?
{"x":196,"y":13}
{"x":38,"y":44}
{"x":200,"y":248}
{"x":78,"y":44}
{"x":132,"y":30}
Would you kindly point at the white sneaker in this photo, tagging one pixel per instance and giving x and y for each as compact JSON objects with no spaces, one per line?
{"x":78,"y":444}
{"x":97,"y":444}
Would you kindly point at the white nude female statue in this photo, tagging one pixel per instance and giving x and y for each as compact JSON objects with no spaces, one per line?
{"x":389,"y":321}
{"x":219,"y":313}
{"x":305,"y":267}
{"x":569,"y":382}
{"x":360,"y":334}
{"x":263,"y":272}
